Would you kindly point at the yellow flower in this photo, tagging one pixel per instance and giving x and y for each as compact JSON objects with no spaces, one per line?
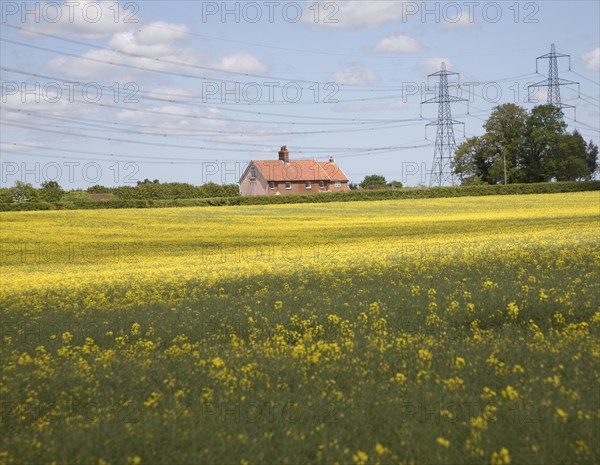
{"x":360,"y":458}
{"x":500,"y":458}
{"x":425,"y":355}
{"x":459,"y":362}
{"x":561,"y":414}
{"x":152,"y":401}
{"x":479,"y":423}
{"x":443,"y":442}
{"x":489,"y":284}
{"x":401,"y":378}
{"x":513,"y":310}
{"x":380,"y":449}
{"x":510,"y":393}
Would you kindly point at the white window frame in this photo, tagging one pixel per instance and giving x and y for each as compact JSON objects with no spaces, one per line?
{"x":253,"y":173}
{"x":308,"y":185}
{"x":338,"y":184}
{"x":272,"y":185}
{"x":288,"y":185}
{"x":321,"y":184}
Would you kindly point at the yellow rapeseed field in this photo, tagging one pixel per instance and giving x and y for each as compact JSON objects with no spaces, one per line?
{"x":415,"y":331}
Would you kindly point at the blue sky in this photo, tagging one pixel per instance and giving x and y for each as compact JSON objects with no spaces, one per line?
{"x":343,"y":78}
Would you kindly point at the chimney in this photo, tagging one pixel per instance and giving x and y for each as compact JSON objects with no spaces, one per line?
{"x":284,"y":155}
{"x":331,"y":160}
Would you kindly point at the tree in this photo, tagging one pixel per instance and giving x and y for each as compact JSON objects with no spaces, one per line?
{"x":99,"y":189}
{"x":471,"y":161}
{"x":568,"y":161}
{"x":591,"y":159}
{"x":545,"y":128}
{"x":374,"y":181}
{"x":394,"y":185}
{"x":23,"y":192}
{"x":493,"y":157}
{"x":51,"y":191}
{"x":525,"y":147}
{"x":505,"y":134}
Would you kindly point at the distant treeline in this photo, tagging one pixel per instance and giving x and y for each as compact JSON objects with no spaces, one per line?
{"x":52,"y":192}
{"x":348,"y":196}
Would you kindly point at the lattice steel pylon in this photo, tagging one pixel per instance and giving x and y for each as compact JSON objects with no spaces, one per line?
{"x":553,"y":82}
{"x":445,"y":144}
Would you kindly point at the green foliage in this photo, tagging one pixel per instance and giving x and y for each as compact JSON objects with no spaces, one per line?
{"x":157,"y":191}
{"x":476,"y":188}
{"x":5,"y":194}
{"x":50,"y":191}
{"x":76,"y":196}
{"x":591,"y":159}
{"x":23,"y":192}
{"x":525,"y":147}
{"x":98,"y":189}
{"x":374,"y":181}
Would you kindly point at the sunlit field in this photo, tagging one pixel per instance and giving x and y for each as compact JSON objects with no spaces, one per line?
{"x":434,"y":331}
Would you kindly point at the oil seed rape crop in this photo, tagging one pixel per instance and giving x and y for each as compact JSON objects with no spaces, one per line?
{"x":424,"y":331}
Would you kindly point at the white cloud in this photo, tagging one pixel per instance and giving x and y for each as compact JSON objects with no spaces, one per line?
{"x":352,"y":14}
{"x":398,"y":43}
{"x":463,"y":20}
{"x":156,"y":43}
{"x":592,"y":59}
{"x":353,"y":76}
{"x":434,"y":64}
{"x":139,"y":42}
{"x":84,"y":18}
{"x":159,"y":31}
{"x":160,"y":52}
{"x":242,"y":62}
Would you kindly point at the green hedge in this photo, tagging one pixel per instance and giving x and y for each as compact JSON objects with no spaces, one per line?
{"x":405,"y":193}
{"x":25,"y":206}
{"x":169,"y":191}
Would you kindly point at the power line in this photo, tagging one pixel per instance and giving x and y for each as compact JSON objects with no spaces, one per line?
{"x":154,"y":133}
{"x":233,"y":110}
{"x":154,"y":59}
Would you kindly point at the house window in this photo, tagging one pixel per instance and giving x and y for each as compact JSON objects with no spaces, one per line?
{"x":273,"y":184}
{"x":288,"y":185}
{"x":321,"y":184}
{"x":308,"y":184}
{"x":338,"y":184}
{"x":253,"y":174}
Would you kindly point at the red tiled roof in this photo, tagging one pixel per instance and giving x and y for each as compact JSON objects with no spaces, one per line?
{"x":299,"y":170}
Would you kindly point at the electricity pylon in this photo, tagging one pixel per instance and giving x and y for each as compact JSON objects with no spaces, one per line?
{"x":554,"y":82}
{"x":445,"y":144}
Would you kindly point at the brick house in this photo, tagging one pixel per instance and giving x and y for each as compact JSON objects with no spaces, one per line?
{"x":285,"y":177}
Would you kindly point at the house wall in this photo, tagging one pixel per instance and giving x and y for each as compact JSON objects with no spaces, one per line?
{"x":299,"y":187}
{"x":254,"y":187}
